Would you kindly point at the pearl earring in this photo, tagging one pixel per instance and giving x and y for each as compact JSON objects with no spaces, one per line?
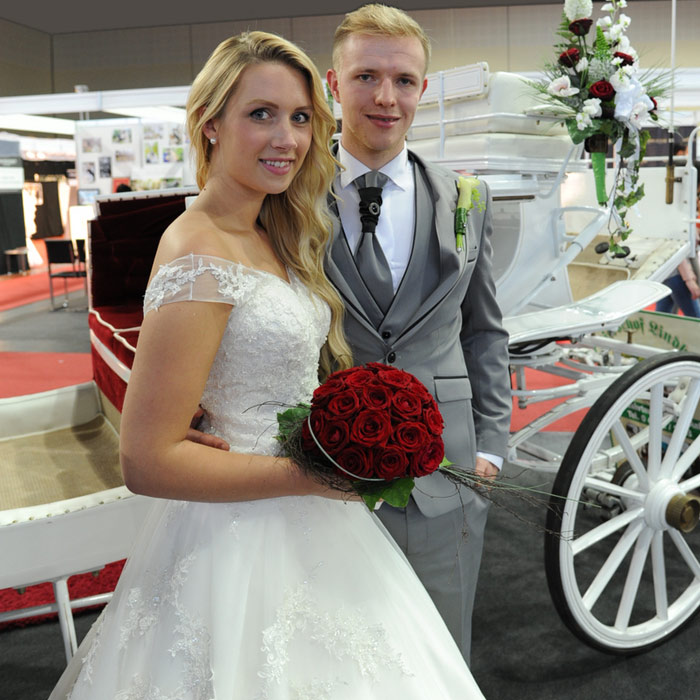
{"x":212,"y":141}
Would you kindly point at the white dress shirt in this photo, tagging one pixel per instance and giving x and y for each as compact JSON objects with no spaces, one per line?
{"x":396,"y":225}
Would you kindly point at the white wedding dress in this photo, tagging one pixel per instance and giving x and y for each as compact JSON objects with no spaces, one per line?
{"x":286,"y":598}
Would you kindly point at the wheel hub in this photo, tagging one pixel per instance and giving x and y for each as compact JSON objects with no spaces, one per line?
{"x":667,"y":506}
{"x":683,"y":512}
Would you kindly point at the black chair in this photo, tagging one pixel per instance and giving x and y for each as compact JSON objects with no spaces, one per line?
{"x":59,"y":252}
{"x":80,"y":247}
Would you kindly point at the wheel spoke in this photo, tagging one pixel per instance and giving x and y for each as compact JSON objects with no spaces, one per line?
{"x":680,"y":431}
{"x":658,"y":563}
{"x":631,"y":453}
{"x":656,"y":402}
{"x":684,"y":463}
{"x":597,"y":484}
{"x":605,"y":530}
{"x":612,"y":564}
{"x":686,"y":552}
{"x":634,"y":575}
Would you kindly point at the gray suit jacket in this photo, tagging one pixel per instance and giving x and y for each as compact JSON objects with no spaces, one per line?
{"x":444,"y":326}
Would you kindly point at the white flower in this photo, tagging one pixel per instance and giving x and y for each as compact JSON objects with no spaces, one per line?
{"x":578,"y":9}
{"x":607,"y":7}
{"x":582,"y":65}
{"x":622,"y":3}
{"x":583,"y":121}
{"x":624,"y":21}
{"x":592,"y":107}
{"x":604,"y":23}
{"x":614,"y":33}
{"x":561,"y":87}
{"x":631,"y":101}
{"x":640,"y":111}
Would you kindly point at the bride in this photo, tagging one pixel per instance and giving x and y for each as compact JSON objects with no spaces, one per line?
{"x":249,"y":579}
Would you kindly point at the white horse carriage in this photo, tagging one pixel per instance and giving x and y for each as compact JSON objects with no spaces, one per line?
{"x":621,"y":554}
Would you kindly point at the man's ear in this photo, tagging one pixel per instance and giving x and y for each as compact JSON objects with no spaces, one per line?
{"x":332,"y":80}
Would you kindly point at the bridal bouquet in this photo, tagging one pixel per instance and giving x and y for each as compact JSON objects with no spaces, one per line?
{"x":596,"y":84}
{"x":370,"y":430}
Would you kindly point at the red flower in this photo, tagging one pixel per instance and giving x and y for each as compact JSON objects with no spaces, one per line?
{"x":570,"y":57}
{"x":345,"y":404}
{"x":323,"y":393}
{"x":356,"y":460}
{"x":318,"y":422}
{"x":627,"y":60}
{"x":334,"y":436}
{"x":429,"y":458}
{"x":391,"y":463}
{"x":407,"y":404}
{"x":603,"y":90}
{"x":394,"y":377}
{"x":371,"y":428}
{"x":358,"y":378}
{"x":656,"y":104}
{"x":580,"y":27}
{"x":411,"y":436}
{"x":376,"y":396}
{"x":433,"y":420}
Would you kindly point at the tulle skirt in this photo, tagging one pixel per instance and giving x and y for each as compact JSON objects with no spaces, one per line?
{"x":296,"y":598}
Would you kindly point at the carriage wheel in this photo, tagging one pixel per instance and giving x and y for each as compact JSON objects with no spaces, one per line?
{"x":622,"y":554}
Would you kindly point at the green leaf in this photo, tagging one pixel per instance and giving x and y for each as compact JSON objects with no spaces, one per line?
{"x":395,"y":493}
{"x":290,"y":420}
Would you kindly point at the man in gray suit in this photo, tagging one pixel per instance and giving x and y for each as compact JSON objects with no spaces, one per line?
{"x":439,"y":320}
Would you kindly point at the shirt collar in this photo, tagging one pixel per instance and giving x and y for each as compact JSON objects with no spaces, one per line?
{"x":397,"y":170}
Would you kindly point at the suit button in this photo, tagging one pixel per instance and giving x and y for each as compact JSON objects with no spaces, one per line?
{"x":391,"y":357}
{"x":386,"y":335}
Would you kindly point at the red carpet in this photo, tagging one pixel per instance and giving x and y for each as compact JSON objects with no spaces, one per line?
{"x":32,"y":372}
{"x":17,"y":290}
{"x":79,"y":586}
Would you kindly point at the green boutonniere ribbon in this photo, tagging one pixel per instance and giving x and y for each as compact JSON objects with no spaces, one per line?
{"x":469,"y":195}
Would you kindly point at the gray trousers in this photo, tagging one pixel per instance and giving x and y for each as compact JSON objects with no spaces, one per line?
{"x":445,"y":552}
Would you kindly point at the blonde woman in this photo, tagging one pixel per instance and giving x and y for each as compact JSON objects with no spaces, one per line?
{"x":250,"y":580}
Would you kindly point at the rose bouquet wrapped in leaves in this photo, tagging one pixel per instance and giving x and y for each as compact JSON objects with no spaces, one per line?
{"x":597,"y":86}
{"x":369,"y":430}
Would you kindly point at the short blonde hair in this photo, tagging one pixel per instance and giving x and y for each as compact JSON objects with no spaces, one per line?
{"x":295,"y":220}
{"x":379,"y":20}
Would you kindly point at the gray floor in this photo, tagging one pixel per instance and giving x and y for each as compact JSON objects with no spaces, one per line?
{"x":521,"y":648}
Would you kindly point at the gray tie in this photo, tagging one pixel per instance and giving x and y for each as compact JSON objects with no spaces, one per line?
{"x":369,"y":256}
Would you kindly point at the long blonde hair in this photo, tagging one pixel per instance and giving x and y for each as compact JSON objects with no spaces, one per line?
{"x":296,"y":220}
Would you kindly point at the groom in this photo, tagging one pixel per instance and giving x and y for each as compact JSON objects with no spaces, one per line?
{"x":414,"y":299}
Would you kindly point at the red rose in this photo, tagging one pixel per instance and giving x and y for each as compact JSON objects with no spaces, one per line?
{"x":429,"y":458}
{"x":407,"y":404}
{"x":318,"y":422}
{"x":393,"y":377}
{"x":656,"y":104}
{"x":371,"y":428}
{"x":603,"y":90}
{"x":358,"y":377}
{"x":418,"y":388}
{"x":570,"y":57}
{"x":411,"y":436}
{"x":580,"y":27}
{"x":433,"y":420}
{"x":323,"y":393}
{"x":376,"y":396}
{"x":356,"y":461}
{"x":391,"y":463}
{"x":627,"y":60}
{"x":344,"y":404}
{"x":334,"y":436}
{"x":307,"y":442}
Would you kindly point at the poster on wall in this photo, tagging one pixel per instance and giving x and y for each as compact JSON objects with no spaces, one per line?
{"x":145,"y":155}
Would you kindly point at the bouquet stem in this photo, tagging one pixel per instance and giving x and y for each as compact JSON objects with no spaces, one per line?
{"x":597,"y":146}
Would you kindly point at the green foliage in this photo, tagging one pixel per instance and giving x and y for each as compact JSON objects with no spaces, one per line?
{"x":289,"y":421}
{"x":395,"y":493}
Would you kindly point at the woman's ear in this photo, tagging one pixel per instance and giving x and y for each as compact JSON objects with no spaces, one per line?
{"x":209,"y":129}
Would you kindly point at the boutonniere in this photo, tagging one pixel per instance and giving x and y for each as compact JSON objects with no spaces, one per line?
{"x":469,"y":195}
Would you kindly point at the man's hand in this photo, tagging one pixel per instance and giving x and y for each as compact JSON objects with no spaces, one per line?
{"x":486,"y":469}
{"x":194,"y":435}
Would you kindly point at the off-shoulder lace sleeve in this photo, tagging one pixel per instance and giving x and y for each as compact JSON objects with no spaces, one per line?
{"x":198,"y":278}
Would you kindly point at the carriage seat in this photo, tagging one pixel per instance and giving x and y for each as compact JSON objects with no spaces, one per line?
{"x":604,"y":310}
{"x":124,"y":238}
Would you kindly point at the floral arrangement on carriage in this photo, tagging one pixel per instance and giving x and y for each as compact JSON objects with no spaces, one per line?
{"x":370,"y":430}
{"x":597,"y":85}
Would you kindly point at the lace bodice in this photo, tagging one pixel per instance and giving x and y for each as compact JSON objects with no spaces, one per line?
{"x":270,"y":348}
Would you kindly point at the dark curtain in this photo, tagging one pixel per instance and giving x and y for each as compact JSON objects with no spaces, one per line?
{"x":12,"y":232}
{"x":48,"y":215}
